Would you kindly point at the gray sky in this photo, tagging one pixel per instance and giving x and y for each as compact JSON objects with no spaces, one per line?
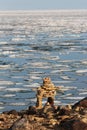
{"x":42,"y":4}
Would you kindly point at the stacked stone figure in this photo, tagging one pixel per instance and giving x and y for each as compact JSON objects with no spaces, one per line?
{"x":47,"y":89}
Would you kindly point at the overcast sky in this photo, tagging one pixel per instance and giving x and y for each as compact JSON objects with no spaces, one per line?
{"x":42,"y":4}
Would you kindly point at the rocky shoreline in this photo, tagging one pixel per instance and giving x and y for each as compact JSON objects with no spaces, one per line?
{"x":64,"y":118}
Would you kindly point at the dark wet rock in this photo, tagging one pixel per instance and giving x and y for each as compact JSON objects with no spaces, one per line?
{"x":5,"y":112}
{"x":31,"y":110}
{"x":1,"y":119}
{"x":64,"y":110}
{"x":14,"y":112}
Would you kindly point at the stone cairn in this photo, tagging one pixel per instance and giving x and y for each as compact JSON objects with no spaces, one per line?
{"x":47,"y":89}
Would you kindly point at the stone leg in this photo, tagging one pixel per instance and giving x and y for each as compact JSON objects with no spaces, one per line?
{"x":39,"y":98}
{"x":39,"y":101}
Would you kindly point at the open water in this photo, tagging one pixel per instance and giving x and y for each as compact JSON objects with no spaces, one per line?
{"x":37,"y":44}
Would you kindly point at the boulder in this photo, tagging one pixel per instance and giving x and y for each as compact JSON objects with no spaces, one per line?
{"x":81,"y":103}
{"x":75,"y":123}
{"x":21,"y":124}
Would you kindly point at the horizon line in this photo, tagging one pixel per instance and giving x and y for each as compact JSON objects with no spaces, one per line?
{"x":41,"y":9}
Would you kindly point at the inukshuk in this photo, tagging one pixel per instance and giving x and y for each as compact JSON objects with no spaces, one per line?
{"x":47,"y":89}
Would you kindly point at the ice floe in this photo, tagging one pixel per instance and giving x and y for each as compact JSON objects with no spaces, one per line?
{"x":82,"y":71}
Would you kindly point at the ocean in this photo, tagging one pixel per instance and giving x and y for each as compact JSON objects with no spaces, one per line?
{"x":38,"y":44}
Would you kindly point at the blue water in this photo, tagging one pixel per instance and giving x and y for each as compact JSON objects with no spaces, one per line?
{"x":34,"y":45}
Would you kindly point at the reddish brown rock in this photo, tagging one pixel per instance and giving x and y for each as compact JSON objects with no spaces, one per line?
{"x":81,"y":103}
{"x":73,"y":124}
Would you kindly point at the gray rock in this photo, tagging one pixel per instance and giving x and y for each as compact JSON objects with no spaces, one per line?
{"x":21,"y":124}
